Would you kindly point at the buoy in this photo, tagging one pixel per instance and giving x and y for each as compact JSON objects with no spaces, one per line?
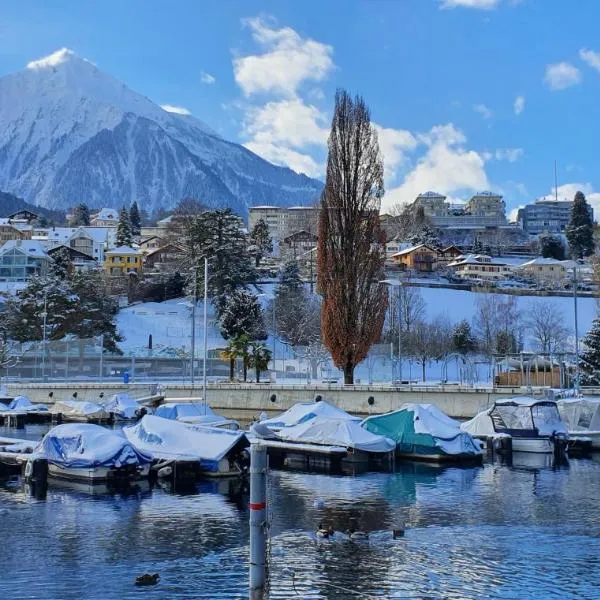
{"x":165,"y":471}
{"x":147,"y":579}
{"x":357,"y":535}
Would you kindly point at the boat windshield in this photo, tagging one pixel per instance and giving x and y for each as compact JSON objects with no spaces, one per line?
{"x":515,"y":417}
{"x":545,"y":416}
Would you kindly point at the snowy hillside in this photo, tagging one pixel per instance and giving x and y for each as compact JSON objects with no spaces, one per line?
{"x":71,"y":133}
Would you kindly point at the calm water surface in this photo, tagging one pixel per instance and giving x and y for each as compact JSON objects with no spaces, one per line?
{"x":529,"y":530}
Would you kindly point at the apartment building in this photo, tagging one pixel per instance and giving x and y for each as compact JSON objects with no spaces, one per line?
{"x":547,"y":216}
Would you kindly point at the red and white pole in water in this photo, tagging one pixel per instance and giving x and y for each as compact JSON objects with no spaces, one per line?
{"x":258,"y":519}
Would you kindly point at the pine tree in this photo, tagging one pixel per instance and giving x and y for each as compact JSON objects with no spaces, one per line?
{"x":261,"y":241}
{"x":135,"y":219}
{"x":290,"y":283}
{"x":463,"y":340}
{"x":590,"y":357}
{"x":580,"y":230}
{"x":551,"y":247}
{"x":62,"y":265}
{"x":80,"y":216}
{"x":124,"y":236}
{"x":241,"y":315}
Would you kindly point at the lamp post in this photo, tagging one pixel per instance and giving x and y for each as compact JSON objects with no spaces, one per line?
{"x":194,"y":302}
{"x":576,"y":329}
{"x":45,"y":316}
{"x":205,"y":332}
{"x":395,"y":283}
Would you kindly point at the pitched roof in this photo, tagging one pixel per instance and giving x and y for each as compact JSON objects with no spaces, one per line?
{"x":29,"y":247}
{"x":123,"y":250}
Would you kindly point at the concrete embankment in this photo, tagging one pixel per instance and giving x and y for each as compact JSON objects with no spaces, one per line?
{"x":243,"y":401}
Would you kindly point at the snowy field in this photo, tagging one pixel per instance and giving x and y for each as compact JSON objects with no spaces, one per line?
{"x":169,"y":323}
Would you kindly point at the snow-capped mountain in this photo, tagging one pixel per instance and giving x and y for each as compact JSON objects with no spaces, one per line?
{"x":70,"y":133}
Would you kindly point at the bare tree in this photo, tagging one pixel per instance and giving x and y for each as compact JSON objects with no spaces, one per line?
{"x":351,"y":243}
{"x":430,"y":341}
{"x":545,"y":322}
{"x":496,"y":318}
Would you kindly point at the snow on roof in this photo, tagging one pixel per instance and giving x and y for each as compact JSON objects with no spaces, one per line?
{"x":412,"y":248}
{"x":523,"y":401}
{"x":431,"y":195}
{"x":165,"y":221}
{"x":107,"y":214}
{"x":265,"y":207}
{"x":545,"y":261}
{"x":29,"y":247}
{"x":487,"y":194}
{"x":123,"y":250}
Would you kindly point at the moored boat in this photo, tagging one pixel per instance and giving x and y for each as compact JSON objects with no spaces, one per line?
{"x":83,"y":451}
{"x":534,"y":425}
{"x":581,"y":415}
{"x":217,"y":452}
{"x":424,"y":432}
{"x":124,"y":407}
{"x":79,"y":411}
{"x":194,"y":414}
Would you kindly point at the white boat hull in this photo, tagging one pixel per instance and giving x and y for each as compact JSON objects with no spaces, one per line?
{"x":538,"y":445}
{"x":92,"y":474}
{"x":592,"y":435}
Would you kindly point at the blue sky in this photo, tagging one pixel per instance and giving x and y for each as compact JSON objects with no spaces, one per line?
{"x":468,"y":94}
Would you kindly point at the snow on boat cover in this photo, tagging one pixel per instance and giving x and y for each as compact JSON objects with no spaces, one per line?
{"x":165,"y":439}
{"x":190,"y":412}
{"x":123,"y":405}
{"x":79,"y":409}
{"x":23,"y":404}
{"x":305,"y":411}
{"x":423,"y":429}
{"x":76,"y":445}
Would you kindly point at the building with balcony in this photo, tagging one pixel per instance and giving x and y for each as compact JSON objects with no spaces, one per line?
{"x":547,"y":216}
{"x":480,"y":266}
{"x":122,"y":260}
{"x":22,"y":259}
{"x":419,"y":259}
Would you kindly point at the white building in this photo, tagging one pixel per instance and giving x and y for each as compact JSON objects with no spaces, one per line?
{"x":106,"y":217}
{"x":21,"y":259}
{"x":92,"y":241}
{"x":480,"y":266}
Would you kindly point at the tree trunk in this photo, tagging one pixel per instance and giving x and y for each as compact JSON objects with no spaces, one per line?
{"x":257,"y":375}
{"x":423,"y":362}
{"x":314,"y":365}
{"x":349,"y":373}
{"x":245,"y":370}
{"x":257,"y":259}
{"x":231,"y":368}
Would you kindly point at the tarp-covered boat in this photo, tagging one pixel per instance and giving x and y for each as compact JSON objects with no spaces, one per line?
{"x":91,"y":452}
{"x":218,"y":451}
{"x":423,"y":431}
{"x":80,"y":411}
{"x":306,"y":411}
{"x":581,"y":417}
{"x":196,"y":414}
{"x":23,"y":404}
{"x":124,"y":407}
{"x":534,"y":425}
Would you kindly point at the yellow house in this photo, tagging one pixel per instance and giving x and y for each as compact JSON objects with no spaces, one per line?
{"x":421,"y":258}
{"x":547,"y":269}
{"x":122,"y":260}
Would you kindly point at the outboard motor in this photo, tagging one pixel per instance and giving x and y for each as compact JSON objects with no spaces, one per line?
{"x":560,"y":441}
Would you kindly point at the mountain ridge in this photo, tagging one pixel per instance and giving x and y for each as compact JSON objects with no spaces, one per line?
{"x":70,"y":133}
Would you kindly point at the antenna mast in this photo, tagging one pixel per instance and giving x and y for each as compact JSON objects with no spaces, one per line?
{"x":555,"y":183}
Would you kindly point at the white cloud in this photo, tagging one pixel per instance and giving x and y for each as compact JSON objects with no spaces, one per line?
{"x":512,"y":215}
{"x":478,"y":4}
{"x":394,"y":143}
{"x":560,"y":76}
{"x":567,"y":191}
{"x":179,"y":110}
{"x":207,"y":78}
{"x":288,"y":60}
{"x":483,"y":110}
{"x":591,"y":58}
{"x":279,"y":129}
{"x":519,"y":105}
{"x":510,"y":154}
{"x":447,"y":167}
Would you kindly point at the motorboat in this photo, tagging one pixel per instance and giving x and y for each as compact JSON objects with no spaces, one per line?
{"x":534,"y":425}
{"x":217,"y":451}
{"x":83,"y":451}
{"x":424,"y":432}
{"x":195,"y":414}
{"x":124,"y":407}
{"x":80,"y":411}
{"x":307,"y":411}
{"x":24,"y":404}
{"x":581,"y":415}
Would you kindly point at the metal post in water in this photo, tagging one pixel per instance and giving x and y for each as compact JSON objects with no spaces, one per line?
{"x":258,"y":519}
{"x":205,"y":332}
{"x":576,"y":330}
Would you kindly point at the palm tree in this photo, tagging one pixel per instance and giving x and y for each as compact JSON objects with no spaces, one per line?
{"x":230,"y":354}
{"x":259,"y":358}
{"x":237,"y":348}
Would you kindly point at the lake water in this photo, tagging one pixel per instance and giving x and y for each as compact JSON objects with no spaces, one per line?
{"x":530,"y":530}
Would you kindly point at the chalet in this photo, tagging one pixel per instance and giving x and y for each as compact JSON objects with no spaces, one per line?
{"x":420,"y":258}
{"x":154,"y":242}
{"x":80,"y":260}
{"x":169,"y":255}
{"x":106,"y":217}
{"x":10,"y":232}
{"x":547,"y":269}
{"x":24,"y":216}
{"x":299,"y":243}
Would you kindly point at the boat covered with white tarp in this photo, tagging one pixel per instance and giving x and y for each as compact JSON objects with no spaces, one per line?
{"x":24,"y":404}
{"x":423,"y":431}
{"x":218,"y":451}
{"x":80,"y":411}
{"x":124,"y":407}
{"x":91,"y":452}
{"x":582,"y":417}
{"x":306,"y":411}
{"x":534,"y":425}
{"x":194,"y":413}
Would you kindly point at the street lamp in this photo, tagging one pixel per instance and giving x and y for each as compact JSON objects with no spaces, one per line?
{"x":576,"y":328}
{"x":392,"y":283}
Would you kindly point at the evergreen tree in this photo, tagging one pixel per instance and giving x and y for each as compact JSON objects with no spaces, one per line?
{"x":290,"y":283}
{"x":551,"y":247}
{"x":135,"y":219}
{"x":241,"y":315}
{"x":124,"y":235}
{"x":80,"y":216}
{"x":590,"y":357}
{"x":174,"y":286}
{"x":463,"y":340}
{"x":477,"y":246}
{"x":61,"y":265}
{"x":261,"y":241}
{"x":219,"y":235}
{"x":506,"y":342}
{"x":580,"y":230}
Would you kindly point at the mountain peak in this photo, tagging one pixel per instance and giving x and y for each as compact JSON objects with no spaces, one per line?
{"x":56,"y":58}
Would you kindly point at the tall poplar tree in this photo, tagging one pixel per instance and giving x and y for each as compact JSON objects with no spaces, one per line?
{"x":351,"y":246}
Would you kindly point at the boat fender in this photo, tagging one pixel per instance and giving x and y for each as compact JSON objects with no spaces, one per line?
{"x":318,"y":398}
{"x":370,"y":400}
{"x":28,"y":469}
{"x":273,"y":398}
{"x":165,"y":471}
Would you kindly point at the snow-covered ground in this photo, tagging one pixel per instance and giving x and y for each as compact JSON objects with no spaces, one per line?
{"x":169,"y":323}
